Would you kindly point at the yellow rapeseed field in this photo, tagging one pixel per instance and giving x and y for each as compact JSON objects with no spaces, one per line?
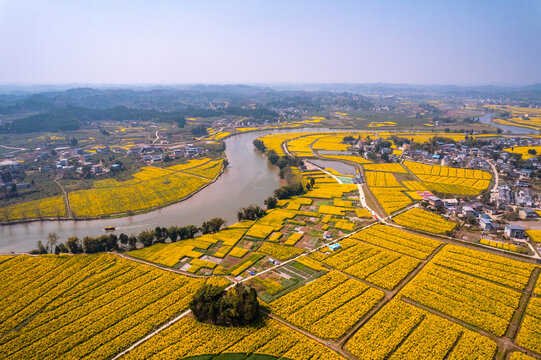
{"x":36,"y":209}
{"x":85,"y":306}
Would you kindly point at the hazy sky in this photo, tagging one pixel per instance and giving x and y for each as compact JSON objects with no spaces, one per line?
{"x":272,"y":41}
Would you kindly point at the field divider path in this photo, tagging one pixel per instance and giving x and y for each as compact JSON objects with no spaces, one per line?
{"x":328,"y":343}
{"x":160,"y":329}
{"x":69,"y":213}
{"x":516,"y":320}
{"x":161,"y":267}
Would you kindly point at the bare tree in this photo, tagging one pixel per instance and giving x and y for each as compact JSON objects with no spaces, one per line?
{"x":52,"y":239}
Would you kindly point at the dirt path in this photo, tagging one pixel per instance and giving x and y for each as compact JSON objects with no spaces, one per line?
{"x":327,"y":343}
{"x":496,"y":176}
{"x":160,"y":329}
{"x":514,"y":326}
{"x":69,"y":213}
{"x":162,"y":267}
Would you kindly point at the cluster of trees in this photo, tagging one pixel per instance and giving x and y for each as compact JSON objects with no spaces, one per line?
{"x":399,"y":141}
{"x":252,"y":212}
{"x":260,"y":145}
{"x":112,"y":242}
{"x":71,"y":118}
{"x":200,"y":130}
{"x":237,"y":307}
{"x":350,"y":140}
{"x":288,"y":191}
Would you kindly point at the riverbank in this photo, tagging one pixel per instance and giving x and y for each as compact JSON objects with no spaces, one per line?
{"x":115,"y":215}
{"x":248,"y":179}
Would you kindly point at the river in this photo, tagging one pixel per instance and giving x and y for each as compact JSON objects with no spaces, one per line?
{"x":249,"y":179}
{"x":487,"y":119}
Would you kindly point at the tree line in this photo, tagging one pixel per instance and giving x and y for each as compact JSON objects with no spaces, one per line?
{"x":112,"y":242}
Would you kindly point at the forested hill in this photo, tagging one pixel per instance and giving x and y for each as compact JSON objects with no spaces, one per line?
{"x":67,"y":110}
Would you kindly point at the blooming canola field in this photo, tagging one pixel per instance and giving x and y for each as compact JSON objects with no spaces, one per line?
{"x":336,"y":281}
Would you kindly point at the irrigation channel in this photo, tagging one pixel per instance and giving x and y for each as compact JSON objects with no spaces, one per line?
{"x":249,"y":179}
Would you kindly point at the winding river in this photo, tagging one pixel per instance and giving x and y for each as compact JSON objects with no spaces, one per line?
{"x":487,"y":119}
{"x":249,"y":179}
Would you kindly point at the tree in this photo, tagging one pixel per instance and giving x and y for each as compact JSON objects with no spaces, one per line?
{"x":52,"y":239}
{"x":252,"y":212}
{"x":132,"y":242}
{"x":161,"y":234}
{"x":146,"y":237}
{"x":199,"y":130}
{"x":188,"y":232}
{"x":273,"y":157}
{"x":212,"y":226}
{"x":236,"y":307}
{"x":259,"y":145}
{"x":39,"y":250}
{"x":61,"y":249}
{"x":271,"y":202}
{"x":123,"y":239}
{"x":173,"y":232}
{"x":74,"y":245}
{"x":287,"y":191}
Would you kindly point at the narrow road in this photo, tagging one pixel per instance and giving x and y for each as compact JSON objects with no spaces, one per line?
{"x":13,"y":148}
{"x":161,"y":267}
{"x":157,"y":137}
{"x":496,"y":175}
{"x":140,"y":341}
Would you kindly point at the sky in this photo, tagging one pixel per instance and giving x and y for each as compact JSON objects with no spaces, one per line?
{"x":463,"y":42}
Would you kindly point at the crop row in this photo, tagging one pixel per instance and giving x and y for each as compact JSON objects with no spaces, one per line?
{"x":329,"y":306}
{"x":397,"y":240}
{"x":391,"y":199}
{"x":90,"y":307}
{"x":487,"y":266}
{"x":402,"y":331}
{"x":381,"y":179}
{"x":378,"y":266}
{"x":445,"y":171}
{"x":472,"y":300}
{"x":388,"y":167}
{"x":189,"y":337}
{"x":424,"y":220}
